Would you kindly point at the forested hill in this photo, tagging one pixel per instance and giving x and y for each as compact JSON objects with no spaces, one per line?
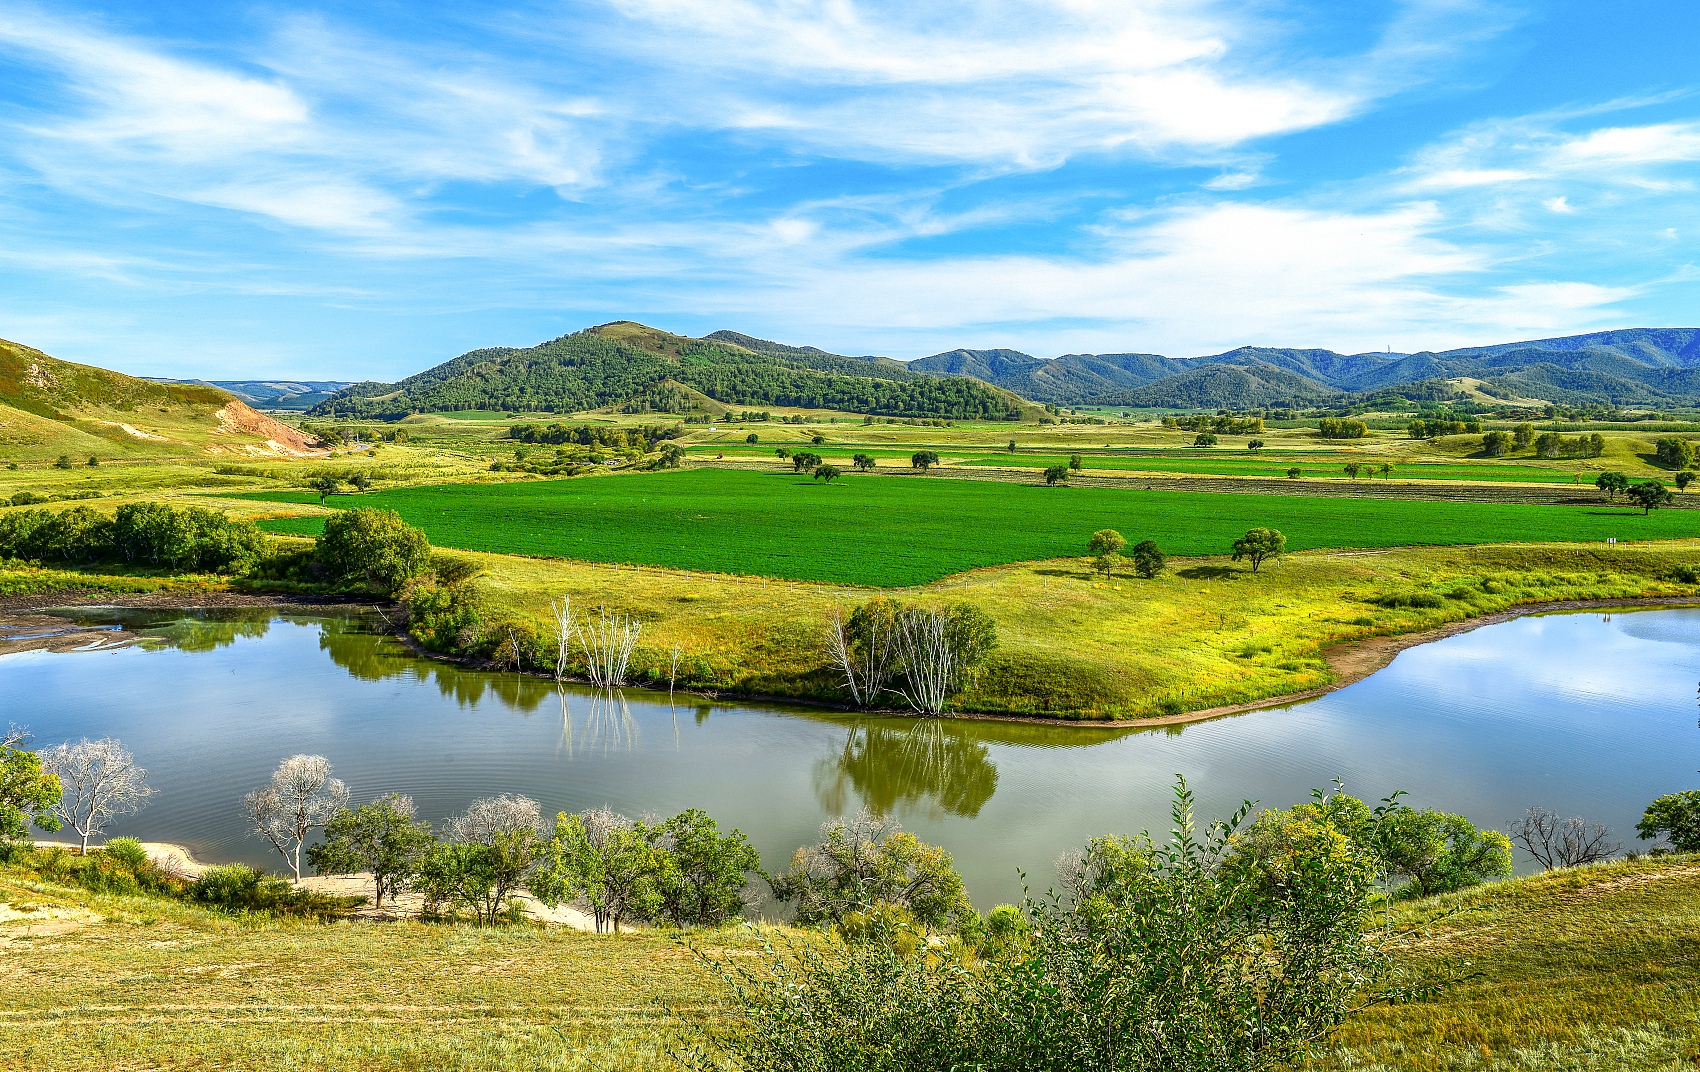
{"x":641,"y":369}
{"x":1655,"y":366}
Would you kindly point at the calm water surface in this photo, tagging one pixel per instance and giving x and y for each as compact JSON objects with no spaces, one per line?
{"x":1585,"y":713}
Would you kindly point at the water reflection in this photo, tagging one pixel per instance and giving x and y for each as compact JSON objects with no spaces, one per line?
{"x":606,"y":724}
{"x":183,"y":630}
{"x":887,"y":764}
{"x":352,"y":644}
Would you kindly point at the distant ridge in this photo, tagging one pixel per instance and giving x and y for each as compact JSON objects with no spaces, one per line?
{"x":272,"y":394}
{"x":1653,"y":366}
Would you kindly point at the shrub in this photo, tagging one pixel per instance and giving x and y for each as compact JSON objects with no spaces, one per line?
{"x":1676,"y":817}
{"x":372,"y":547}
{"x":240,"y":888}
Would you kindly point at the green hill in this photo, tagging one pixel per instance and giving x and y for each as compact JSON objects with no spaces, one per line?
{"x":640,"y":369}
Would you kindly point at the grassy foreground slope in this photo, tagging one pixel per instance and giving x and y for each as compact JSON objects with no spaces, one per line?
{"x":1597,"y":968}
{"x":890,"y":531}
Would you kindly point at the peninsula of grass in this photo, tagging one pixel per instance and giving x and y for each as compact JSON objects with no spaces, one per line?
{"x":885,"y":531}
{"x":1592,"y":968}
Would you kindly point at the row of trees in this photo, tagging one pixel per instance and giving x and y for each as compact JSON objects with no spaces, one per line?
{"x":142,"y":534}
{"x":1649,"y":494}
{"x":1341,"y":428}
{"x":1435,"y":427}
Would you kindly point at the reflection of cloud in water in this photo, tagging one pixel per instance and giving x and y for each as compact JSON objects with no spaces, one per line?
{"x":606,"y":726}
{"x":886,"y":766}
{"x":182,"y":631}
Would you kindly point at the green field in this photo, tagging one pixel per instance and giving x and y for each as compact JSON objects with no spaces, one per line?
{"x":892,"y":531}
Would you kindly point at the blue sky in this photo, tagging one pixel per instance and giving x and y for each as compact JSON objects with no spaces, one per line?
{"x":363,"y":190}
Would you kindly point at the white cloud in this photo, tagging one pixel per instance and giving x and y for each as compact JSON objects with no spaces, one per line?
{"x":1560,"y":205}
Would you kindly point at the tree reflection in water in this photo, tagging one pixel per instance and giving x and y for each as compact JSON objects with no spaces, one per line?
{"x":371,"y":656}
{"x":607,"y":724}
{"x":204,"y":631}
{"x":886,"y":764}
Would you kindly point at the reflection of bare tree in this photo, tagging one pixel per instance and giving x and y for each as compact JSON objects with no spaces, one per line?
{"x":607,"y":723}
{"x":885,"y":765}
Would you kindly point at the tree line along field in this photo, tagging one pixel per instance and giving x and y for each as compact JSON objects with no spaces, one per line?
{"x":884,"y":532}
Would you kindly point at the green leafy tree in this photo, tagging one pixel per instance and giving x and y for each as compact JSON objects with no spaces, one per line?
{"x":1496,"y":444}
{"x":703,"y":873}
{"x":1254,"y":445}
{"x":1341,"y":428}
{"x":93,"y":461}
{"x":866,"y":862}
{"x":1056,"y":474}
{"x":381,"y":838}
{"x":752,"y":438}
{"x":923,"y":460}
{"x":1522,"y":435}
{"x":1011,"y":447}
{"x":1293,"y":473}
{"x":817,"y":440}
{"x":1676,"y":818}
{"x":828,"y":473}
{"x":805,"y":461}
{"x":1438,"y":852}
{"x":360,"y":482}
{"x":28,"y":794}
{"x":1259,"y":544}
{"x":1148,"y":560}
{"x":1674,"y":452}
{"x":782,"y":452}
{"x":672,"y":455}
{"x":1611,"y":483}
{"x":864,"y":462}
{"x":1105,"y":547}
{"x":1074,"y":462}
{"x":1352,"y":470}
{"x":1204,"y":439}
{"x":64,"y":462}
{"x":326,"y":485}
{"x":1385,"y":469}
{"x":1650,"y":495}
{"x":609,"y":860}
{"x":492,"y":852}
{"x":1683,"y":479}
{"x":374,"y":547}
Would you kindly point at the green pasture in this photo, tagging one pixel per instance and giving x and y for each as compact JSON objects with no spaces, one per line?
{"x":891,"y":531}
{"x":1274,"y":465}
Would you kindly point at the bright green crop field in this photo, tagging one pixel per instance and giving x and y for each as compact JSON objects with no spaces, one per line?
{"x":897,"y":531}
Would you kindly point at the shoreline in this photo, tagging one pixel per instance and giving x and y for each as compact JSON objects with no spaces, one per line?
{"x":1350,"y":661}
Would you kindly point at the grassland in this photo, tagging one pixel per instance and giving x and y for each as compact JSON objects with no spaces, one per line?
{"x":1596,"y":968}
{"x":889,"y":532}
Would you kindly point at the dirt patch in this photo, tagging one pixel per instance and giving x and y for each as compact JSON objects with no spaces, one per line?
{"x":238,"y":418}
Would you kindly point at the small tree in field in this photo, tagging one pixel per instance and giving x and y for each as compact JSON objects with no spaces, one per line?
{"x":1683,"y":479}
{"x":1259,"y":544}
{"x":752,"y":438}
{"x":828,"y":473}
{"x":1611,"y":483}
{"x":1074,"y":462}
{"x":805,"y":461}
{"x":372,"y":546}
{"x":609,"y":860}
{"x":1105,"y":548}
{"x":1353,"y":469}
{"x":301,"y":798}
{"x":1254,"y":445}
{"x":1148,"y":560}
{"x":326,"y":486}
{"x":492,"y":850}
{"x":1293,"y":473}
{"x":1204,"y":439}
{"x":98,"y":781}
{"x":864,"y":462}
{"x":923,"y":460}
{"x":1650,"y":495}
{"x":1056,"y":474}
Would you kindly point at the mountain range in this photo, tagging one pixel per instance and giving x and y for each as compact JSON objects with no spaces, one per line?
{"x":1659,"y":366}
{"x":640,"y":369}
{"x":272,"y":394}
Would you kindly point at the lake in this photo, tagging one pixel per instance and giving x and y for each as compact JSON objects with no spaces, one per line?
{"x":1591,"y":714}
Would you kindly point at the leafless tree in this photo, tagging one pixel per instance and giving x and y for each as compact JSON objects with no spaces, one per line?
{"x":564,"y":630}
{"x":15,"y":736}
{"x":1559,"y":842}
{"x":99,"y":780}
{"x":607,"y":643}
{"x":929,"y":658}
{"x":301,"y":798}
{"x":673,"y":668}
{"x":488,"y":818}
{"x":865,"y":662}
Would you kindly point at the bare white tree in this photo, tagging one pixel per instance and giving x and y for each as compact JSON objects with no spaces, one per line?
{"x":929,"y":657}
{"x":99,"y":780}
{"x":607,"y":644}
{"x":301,"y":798}
{"x":867,"y":664}
{"x":15,"y":736}
{"x":487,"y":817}
{"x":1557,"y":842}
{"x":564,"y":630}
